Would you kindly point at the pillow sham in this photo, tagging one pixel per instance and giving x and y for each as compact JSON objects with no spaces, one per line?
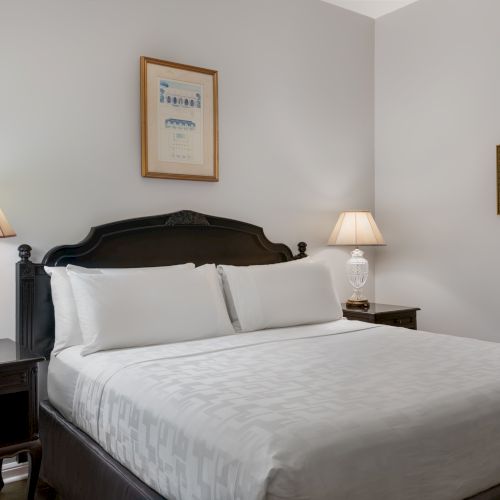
{"x":138,"y":309}
{"x":67,"y":326}
{"x":279,"y":295}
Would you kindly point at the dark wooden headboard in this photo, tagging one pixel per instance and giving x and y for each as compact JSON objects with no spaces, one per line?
{"x":160,"y":240}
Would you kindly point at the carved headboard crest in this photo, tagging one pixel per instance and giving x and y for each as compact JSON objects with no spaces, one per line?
{"x":186,"y":218}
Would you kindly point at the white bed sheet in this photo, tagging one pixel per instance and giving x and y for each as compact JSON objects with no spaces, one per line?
{"x":63,"y":372}
{"x":344,"y":410}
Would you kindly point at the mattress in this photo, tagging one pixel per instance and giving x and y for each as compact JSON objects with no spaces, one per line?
{"x":342,"y":410}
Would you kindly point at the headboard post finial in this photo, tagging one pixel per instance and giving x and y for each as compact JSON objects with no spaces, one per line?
{"x":24,"y":253}
{"x":302,"y":246}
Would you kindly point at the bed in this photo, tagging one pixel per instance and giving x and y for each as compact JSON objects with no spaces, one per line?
{"x":339,"y":410}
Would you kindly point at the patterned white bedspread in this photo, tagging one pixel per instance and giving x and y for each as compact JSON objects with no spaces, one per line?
{"x":343,"y":410}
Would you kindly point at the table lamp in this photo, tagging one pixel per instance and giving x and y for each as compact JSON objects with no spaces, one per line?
{"x":356,"y":228}
{"x":5,"y":228}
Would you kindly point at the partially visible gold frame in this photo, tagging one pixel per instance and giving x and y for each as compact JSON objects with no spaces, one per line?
{"x":498,"y":180}
{"x":146,"y":172}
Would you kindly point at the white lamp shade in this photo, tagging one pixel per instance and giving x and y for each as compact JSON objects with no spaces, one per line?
{"x":356,"y":229}
{"x":5,"y":228}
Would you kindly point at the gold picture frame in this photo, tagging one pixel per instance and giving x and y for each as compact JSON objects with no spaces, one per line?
{"x":179,"y":121}
{"x":498,"y":180}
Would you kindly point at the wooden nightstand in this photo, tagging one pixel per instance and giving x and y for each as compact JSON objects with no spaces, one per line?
{"x":19,"y":408}
{"x":384,"y":314}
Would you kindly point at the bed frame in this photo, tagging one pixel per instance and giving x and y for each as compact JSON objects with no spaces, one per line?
{"x":73,"y":464}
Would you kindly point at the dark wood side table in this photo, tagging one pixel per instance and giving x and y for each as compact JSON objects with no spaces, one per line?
{"x":384,"y":314}
{"x":19,"y":408}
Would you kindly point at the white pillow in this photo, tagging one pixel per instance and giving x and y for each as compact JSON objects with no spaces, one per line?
{"x":67,"y":326}
{"x":279,"y":295}
{"x":139,"y":309}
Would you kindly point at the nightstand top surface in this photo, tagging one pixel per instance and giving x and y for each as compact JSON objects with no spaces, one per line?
{"x":375,"y":308}
{"x":10,"y":352}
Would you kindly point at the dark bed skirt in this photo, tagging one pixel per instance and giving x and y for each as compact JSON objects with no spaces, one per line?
{"x":79,"y":469}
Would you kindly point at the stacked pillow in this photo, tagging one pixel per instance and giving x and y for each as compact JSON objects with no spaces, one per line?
{"x":117,"y":308}
{"x":279,"y":295}
{"x":114,"y":308}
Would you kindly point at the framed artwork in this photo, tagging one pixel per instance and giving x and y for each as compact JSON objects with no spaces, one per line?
{"x":498,"y":180}
{"x":179,"y":121}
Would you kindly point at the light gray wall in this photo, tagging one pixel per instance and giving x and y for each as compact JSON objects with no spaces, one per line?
{"x":296,"y":117}
{"x":437,"y":125}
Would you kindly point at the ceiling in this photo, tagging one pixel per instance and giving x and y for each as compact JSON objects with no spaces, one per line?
{"x":372,"y":8}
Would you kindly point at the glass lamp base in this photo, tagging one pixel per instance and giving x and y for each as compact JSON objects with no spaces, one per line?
{"x":357,"y":299}
{"x":358,"y":303}
{"x":357,"y":272}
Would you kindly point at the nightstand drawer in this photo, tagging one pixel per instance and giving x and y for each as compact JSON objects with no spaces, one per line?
{"x":15,"y":418}
{"x":13,"y":380}
{"x":406,"y":321}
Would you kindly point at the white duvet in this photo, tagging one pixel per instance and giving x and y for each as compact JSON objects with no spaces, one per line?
{"x":342,"y":410}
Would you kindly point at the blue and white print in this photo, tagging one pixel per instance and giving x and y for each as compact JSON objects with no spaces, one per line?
{"x":180,"y":107}
{"x":180,"y":94}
